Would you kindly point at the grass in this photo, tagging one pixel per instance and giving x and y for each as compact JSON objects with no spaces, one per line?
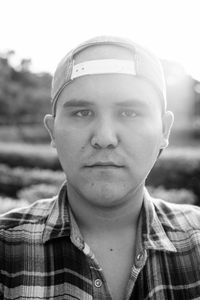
{"x":35,"y":133}
{"x":27,"y":148}
{"x":28,"y":155}
{"x":177,"y":170}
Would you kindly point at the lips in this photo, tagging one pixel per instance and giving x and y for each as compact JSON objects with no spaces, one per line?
{"x":104,"y":164}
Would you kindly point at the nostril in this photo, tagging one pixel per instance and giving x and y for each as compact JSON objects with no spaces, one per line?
{"x":104,"y":142}
{"x":95,"y":143}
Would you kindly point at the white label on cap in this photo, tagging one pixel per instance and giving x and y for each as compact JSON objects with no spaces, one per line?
{"x":104,"y":66}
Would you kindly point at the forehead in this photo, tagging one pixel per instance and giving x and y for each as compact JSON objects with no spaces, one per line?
{"x":96,"y":52}
{"x":110,"y":89}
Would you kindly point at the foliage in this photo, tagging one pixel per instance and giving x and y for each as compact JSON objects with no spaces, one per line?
{"x":29,"y":156}
{"x":178,"y":169}
{"x":175,"y":170}
{"x":179,"y":196}
{"x":38,"y":191}
{"x":14,"y":179}
{"x":35,"y":134}
{"x":41,"y":191}
{"x":24,"y":96}
{"x":7,"y":204}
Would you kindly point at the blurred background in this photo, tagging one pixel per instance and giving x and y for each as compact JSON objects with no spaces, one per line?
{"x":35,"y":35}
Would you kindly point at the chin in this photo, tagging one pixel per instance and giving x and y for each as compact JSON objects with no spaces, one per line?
{"x":106,"y":195}
{"x":106,"y":201}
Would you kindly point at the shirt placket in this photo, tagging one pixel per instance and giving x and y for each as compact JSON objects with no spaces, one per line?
{"x":99,"y":285}
{"x":139,"y":263}
{"x":100,"y":288}
{"x":139,"y":260}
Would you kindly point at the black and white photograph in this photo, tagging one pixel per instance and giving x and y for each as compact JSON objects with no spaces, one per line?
{"x":99,"y":150}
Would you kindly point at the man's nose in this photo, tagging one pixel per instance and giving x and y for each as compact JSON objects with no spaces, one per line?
{"x":104,"y":135}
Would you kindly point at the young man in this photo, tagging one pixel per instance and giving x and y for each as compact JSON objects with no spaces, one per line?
{"x":103,"y":236}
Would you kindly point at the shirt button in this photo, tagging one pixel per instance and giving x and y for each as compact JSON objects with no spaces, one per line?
{"x":98,"y":283}
{"x":78,"y":239}
{"x":139,"y":260}
{"x":139,"y":256}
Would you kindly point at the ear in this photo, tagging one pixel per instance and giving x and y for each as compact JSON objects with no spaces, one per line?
{"x":168,"y":119}
{"x":49,"y":125}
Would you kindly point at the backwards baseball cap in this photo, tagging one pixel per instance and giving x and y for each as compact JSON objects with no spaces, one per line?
{"x":143,"y":64}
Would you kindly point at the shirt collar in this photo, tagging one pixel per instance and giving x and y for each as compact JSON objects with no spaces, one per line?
{"x":154,"y":235}
{"x":58,"y":222}
{"x":61,"y":222}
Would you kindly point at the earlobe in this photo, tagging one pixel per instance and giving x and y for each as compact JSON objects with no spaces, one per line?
{"x":49,"y":125}
{"x":168,"y":120}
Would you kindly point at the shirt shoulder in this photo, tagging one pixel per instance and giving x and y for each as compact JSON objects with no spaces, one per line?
{"x":177,"y":217}
{"x":32,"y":214}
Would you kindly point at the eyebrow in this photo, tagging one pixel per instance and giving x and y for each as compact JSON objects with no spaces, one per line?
{"x":132,"y":102}
{"x":85,"y":103}
{"x":77,"y":103}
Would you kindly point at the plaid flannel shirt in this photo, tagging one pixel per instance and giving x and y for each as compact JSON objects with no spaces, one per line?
{"x":43,"y":255}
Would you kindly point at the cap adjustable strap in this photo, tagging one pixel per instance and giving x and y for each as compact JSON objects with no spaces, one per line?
{"x":104,"y":66}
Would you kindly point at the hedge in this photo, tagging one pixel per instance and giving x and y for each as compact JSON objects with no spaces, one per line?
{"x":179,"y":196}
{"x":29,"y":156}
{"x":14,"y":179}
{"x":40,"y":191}
{"x":7,"y":204}
{"x":29,"y":133}
{"x":176,"y":169}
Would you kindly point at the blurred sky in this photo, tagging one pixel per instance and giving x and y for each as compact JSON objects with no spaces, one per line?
{"x":44,"y":30}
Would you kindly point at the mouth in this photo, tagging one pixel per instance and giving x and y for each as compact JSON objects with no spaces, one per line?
{"x":105,"y":165}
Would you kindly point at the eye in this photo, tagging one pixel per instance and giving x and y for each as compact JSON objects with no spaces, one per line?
{"x":130,"y":113}
{"x":83,"y":113}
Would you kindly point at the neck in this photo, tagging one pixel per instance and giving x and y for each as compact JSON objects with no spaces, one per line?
{"x":97,"y":220}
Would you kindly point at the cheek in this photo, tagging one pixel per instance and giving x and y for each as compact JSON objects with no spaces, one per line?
{"x":144,"y":140}
{"x":69,"y":144}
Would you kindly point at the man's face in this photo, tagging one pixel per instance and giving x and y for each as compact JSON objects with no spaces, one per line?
{"x":108,"y":131}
